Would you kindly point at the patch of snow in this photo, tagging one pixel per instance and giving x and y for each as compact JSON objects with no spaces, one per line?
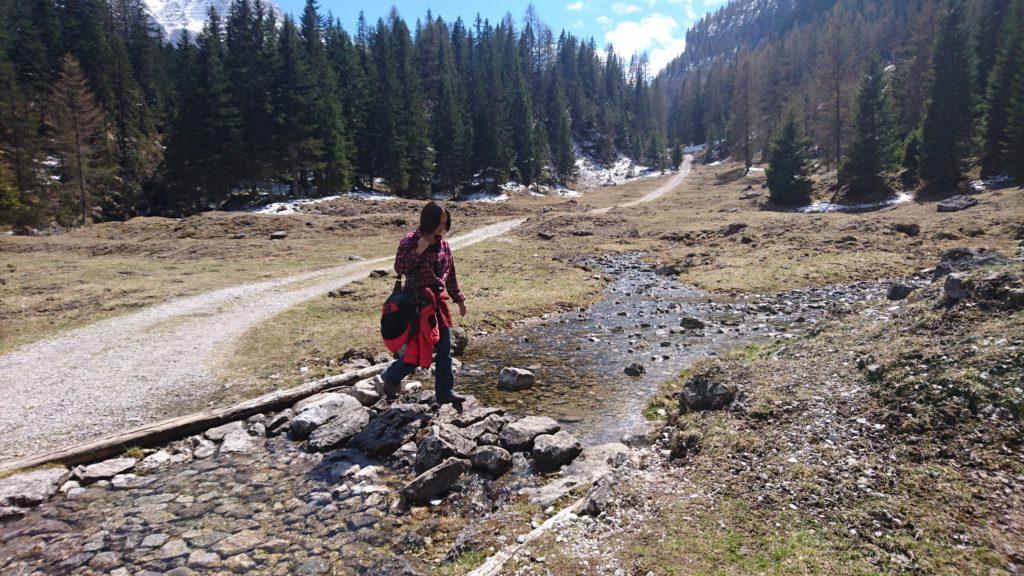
{"x":716,"y":163}
{"x":989,"y":183}
{"x":485,"y":197}
{"x":822,"y":206}
{"x":592,"y":173}
{"x":288,"y":207}
{"x":370,"y":195}
{"x":757,"y":168}
{"x":694,"y":148}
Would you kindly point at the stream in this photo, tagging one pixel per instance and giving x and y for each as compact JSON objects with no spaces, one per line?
{"x":280,"y":510}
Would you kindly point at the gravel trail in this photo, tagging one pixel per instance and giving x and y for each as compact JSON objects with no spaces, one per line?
{"x":142,"y":367}
{"x":672,"y":184}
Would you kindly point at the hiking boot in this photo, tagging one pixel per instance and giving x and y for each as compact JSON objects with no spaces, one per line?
{"x":454,"y":399}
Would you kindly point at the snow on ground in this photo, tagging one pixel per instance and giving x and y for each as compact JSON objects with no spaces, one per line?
{"x":822,"y":206}
{"x":592,"y":173}
{"x":288,"y":207}
{"x":989,"y":183}
{"x":694,"y":148}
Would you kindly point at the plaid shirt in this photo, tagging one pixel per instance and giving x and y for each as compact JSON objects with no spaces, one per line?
{"x":434,"y":268}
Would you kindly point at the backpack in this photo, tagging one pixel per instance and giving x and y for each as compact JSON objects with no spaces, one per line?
{"x":398,"y":318}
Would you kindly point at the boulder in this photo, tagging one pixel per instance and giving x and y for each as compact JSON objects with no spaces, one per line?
{"x":552,"y":451}
{"x":491,"y":459}
{"x":899,"y":291}
{"x":279,"y":235}
{"x":319,"y":413}
{"x":338,"y":431}
{"x":599,"y":496}
{"x":460,"y":339}
{"x":155,"y":460}
{"x":956,"y":203}
{"x":519,"y":435}
{"x":365,"y":392}
{"x":705,"y":391}
{"x":691,"y":323}
{"x":441,"y":441}
{"x":909,"y":229}
{"x":31,"y":488}
{"x":237,"y":441}
{"x":953,"y":289}
{"x":392,"y":428}
{"x":204,"y":449}
{"x":515,"y":379}
{"x":635,"y":369}
{"x":106,"y":469}
{"x":963,"y":259}
{"x":217,"y":434}
{"x":276,"y":423}
{"x":436,"y":481}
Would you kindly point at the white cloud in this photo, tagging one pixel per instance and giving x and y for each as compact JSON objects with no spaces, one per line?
{"x":604,"y":21}
{"x":578,"y":25}
{"x":654,"y":34}
{"x":623,"y":8}
{"x":575,"y":6}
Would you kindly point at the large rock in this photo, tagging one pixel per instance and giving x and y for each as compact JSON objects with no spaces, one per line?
{"x":338,"y":431}
{"x":106,"y":469}
{"x":594,"y":462}
{"x":436,"y":481}
{"x":365,"y":391}
{"x":552,"y":451}
{"x":706,"y":391}
{"x":441,"y":441}
{"x":492,"y":424}
{"x":494,"y":460}
{"x":518,"y":436}
{"x":217,"y":434}
{"x":691,"y":323}
{"x":319,"y":413}
{"x":635,"y":369}
{"x":963,"y":259}
{"x":910,"y":229}
{"x":31,"y":488}
{"x":733,"y":228}
{"x":237,"y":441}
{"x":515,"y":379}
{"x":460,"y":339}
{"x":392,"y":428}
{"x":599,"y":496}
{"x":899,"y":291}
{"x":956,"y":203}
{"x":953,"y":289}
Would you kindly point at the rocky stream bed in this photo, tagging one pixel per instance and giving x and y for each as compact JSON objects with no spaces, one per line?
{"x":347,"y":483}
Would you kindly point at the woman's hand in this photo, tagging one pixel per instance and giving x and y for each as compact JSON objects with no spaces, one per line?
{"x":462,"y":308}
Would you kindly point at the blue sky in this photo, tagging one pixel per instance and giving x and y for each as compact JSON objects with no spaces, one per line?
{"x":657,"y":27}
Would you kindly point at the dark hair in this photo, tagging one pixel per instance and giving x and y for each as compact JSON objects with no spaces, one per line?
{"x":430,"y":217}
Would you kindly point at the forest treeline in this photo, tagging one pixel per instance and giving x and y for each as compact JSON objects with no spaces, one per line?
{"x":101,"y":118}
{"x":949,"y":93}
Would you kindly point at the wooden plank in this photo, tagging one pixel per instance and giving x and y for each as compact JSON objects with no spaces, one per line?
{"x":181,"y":426}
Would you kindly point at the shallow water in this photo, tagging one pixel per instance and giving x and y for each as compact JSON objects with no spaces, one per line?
{"x":279,"y":510}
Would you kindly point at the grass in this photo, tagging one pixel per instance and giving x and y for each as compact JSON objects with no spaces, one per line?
{"x":133,"y":452}
{"x":463,"y":564}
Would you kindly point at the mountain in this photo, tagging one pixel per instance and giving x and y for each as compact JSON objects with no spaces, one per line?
{"x":173,"y":16}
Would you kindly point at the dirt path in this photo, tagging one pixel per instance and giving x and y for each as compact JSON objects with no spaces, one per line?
{"x":126,"y":371}
{"x":673,"y":183}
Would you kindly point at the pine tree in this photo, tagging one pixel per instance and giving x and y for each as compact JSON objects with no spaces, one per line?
{"x":560,"y":130}
{"x":870,"y":156}
{"x":9,"y":200}
{"x":741,"y":118}
{"x":298,"y":147}
{"x":949,"y":113}
{"x":787,"y":173}
{"x":911,"y":159}
{"x":1013,"y":151}
{"x":1008,"y":65}
{"x":77,"y":125}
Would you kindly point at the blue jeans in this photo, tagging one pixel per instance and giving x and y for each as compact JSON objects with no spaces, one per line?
{"x":444,"y":378}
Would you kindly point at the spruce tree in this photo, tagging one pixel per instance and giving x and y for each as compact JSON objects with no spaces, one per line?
{"x":911,"y":159}
{"x":1014,"y":149}
{"x":298,"y":147}
{"x":999,"y":101}
{"x":949,"y":114}
{"x":787,"y":172}
{"x":870,"y":156}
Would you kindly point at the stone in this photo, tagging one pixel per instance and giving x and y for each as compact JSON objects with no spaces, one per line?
{"x":313,"y":567}
{"x":154,"y":540}
{"x":172,"y":549}
{"x":691,"y":323}
{"x":514,"y":379}
{"x":203,"y":559}
{"x":276,"y":424}
{"x":519,"y":435}
{"x":8,"y":513}
{"x":155,"y":460}
{"x":237,"y":441}
{"x":962,"y":259}
{"x":240,"y":564}
{"x":365,"y":392}
{"x":552,"y":451}
{"x":953,"y":289}
{"x":899,"y":291}
{"x":32,"y":488}
{"x":684,"y":443}
{"x":338,"y":431}
{"x":217,"y":434}
{"x":637,"y":440}
{"x":204,"y":449}
{"x":635,"y":369}
{"x":105,"y":561}
{"x":319,"y":413}
{"x":388,"y":431}
{"x":704,"y":391}
{"x":594,"y":462}
{"x":436,"y":481}
{"x":441,"y":441}
{"x":491,"y":459}
{"x":107,"y":469}
{"x":279,"y":235}
{"x":239,"y":542}
{"x":956,"y":203}
{"x":731,"y":229}
{"x":460,"y":340}
{"x":599,"y":496}
{"x":910,"y":229}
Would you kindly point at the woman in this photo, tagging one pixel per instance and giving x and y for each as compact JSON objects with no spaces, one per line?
{"x":425,"y":259}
